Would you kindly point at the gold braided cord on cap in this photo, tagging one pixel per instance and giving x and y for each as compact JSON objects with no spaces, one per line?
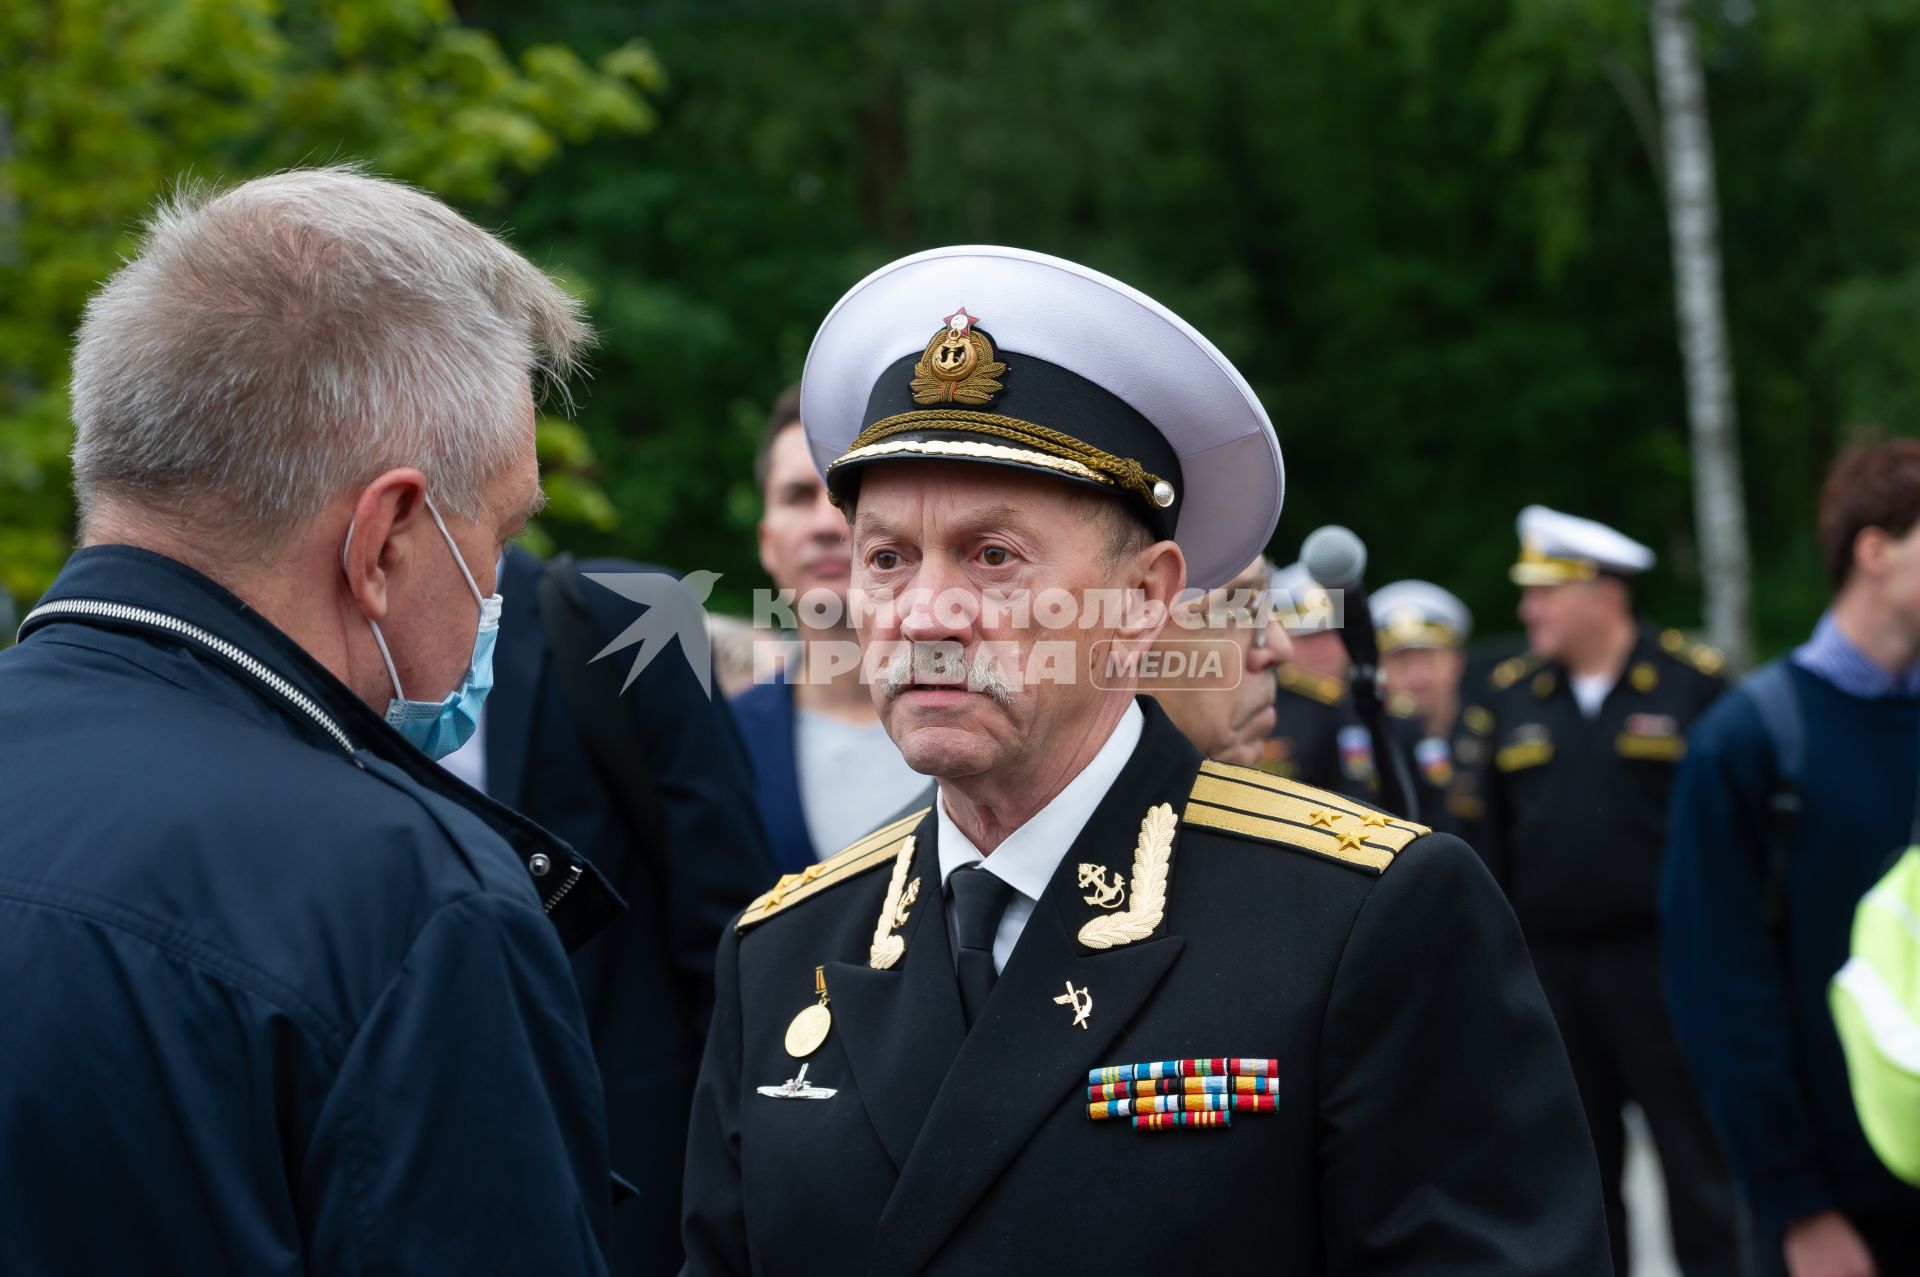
{"x":1399,"y":634}
{"x":967,"y":451}
{"x":1104,"y":466}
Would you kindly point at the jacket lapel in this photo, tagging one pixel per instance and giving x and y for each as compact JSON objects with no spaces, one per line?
{"x":1025,"y":1057}
{"x":519,"y":660}
{"x":901,"y":1027}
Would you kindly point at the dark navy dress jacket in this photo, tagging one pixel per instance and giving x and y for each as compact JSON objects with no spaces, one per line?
{"x":764,"y":713}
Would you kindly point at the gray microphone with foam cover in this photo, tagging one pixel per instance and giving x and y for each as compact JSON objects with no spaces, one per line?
{"x":1334,"y":557}
{"x":1337,"y":560}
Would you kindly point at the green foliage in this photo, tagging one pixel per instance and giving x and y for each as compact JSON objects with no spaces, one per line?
{"x":1433,"y":236}
{"x":105,"y":104}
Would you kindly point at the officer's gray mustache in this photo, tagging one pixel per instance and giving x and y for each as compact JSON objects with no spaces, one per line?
{"x":948,"y":664}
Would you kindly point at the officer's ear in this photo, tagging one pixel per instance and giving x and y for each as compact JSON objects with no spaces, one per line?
{"x":386,"y":514}
{"x":1155,"y":579}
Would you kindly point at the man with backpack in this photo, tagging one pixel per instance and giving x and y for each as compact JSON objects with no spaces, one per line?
{"x":1796,"y":793}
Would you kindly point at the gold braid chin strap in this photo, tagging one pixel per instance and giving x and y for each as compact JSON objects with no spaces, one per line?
{"x":1121,"y":471}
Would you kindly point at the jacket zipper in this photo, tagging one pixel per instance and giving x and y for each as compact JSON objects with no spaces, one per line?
{"x":573,"y":876}
{"x":236,"y":656}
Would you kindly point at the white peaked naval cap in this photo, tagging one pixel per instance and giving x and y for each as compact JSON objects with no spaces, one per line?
{"x":1556,"y":547}
{"x":998,"y":356}
{"x":1418,"y":614}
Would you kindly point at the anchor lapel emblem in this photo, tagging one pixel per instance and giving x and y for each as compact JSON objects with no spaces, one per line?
{"x":1107,"y":895}
{"x":1150,"y":856}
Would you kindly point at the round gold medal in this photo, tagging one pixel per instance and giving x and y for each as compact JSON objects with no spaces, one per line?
{"x":808,"y":1031}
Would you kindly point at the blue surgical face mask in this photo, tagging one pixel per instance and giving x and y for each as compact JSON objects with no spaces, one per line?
{"x":440,"y":727}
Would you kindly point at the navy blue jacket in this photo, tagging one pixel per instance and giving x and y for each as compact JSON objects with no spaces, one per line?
{"x":647,"y":980}
{"x":280,"y":996}
{"x":764,"y":713}
{"x":1749,"y":1001}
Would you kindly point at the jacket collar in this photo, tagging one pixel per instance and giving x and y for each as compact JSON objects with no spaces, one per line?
{"x":151,"y":595}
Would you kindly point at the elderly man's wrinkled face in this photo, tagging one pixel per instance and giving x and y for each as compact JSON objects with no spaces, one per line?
{"x":1221,"y":696}
{"x":975,"y":686}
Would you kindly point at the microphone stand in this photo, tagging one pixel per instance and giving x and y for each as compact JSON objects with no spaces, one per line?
{"x":1397,"y":793}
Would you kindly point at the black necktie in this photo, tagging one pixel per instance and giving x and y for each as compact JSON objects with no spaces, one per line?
{"x":979,"y":898}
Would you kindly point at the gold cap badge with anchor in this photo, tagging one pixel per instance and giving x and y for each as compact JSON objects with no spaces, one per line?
{"x":958,"y":366}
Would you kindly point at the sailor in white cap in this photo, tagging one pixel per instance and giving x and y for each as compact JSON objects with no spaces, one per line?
{"x":1580,"y":737}
{"x":1317,"y":738}
{"x":1098,"y":964}
{"x":1423,"y":631}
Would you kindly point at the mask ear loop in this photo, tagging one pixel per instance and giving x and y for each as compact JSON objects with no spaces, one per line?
{"x":457,"y":557}
{"x":379,"y":639}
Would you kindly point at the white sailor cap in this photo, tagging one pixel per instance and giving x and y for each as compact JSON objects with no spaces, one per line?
{"x":1418,"y":614}
{"x":1556,"y":547}
{"x":999,"y":356}
{"x":1299,"y":603}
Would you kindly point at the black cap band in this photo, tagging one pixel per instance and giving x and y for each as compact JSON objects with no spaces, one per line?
{"x":1041,"y":417}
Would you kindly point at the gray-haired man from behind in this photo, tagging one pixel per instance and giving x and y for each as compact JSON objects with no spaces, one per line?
{"x":282,"y":994}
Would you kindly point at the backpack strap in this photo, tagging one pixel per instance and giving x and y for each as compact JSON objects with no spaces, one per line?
{"x":1770,"y":689}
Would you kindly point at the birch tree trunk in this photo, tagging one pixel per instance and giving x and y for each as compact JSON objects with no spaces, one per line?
{"x":1693,"y":220}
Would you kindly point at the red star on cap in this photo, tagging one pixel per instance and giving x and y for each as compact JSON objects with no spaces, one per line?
{"x":961,"y":322}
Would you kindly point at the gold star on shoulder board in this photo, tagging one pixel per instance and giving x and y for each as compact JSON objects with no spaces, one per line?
{"x":1374,"y":820}
{"x":1350,"y":841}
{"x":1321,"y":818}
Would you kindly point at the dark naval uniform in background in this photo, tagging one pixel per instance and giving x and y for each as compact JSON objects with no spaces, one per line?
{"x":1423,"y":1118}
{"x":1317,"y":739}
{"x":1575,"y":822}
{"x":1433,"y":763}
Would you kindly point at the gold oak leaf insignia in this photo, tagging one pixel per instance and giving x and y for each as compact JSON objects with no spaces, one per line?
{"x":1143,"y":913}
{"x":887,"y":948}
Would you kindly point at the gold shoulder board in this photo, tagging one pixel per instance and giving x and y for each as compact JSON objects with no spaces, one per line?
{"x":1707,"y":659}
{"x":876,"y":849}
{"x":1327,"y":691}
{"x":1271,"y":809}
{"x":1509,"y":672}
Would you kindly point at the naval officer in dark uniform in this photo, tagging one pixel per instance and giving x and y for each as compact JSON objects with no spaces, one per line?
{"x":1579,"y":741}
{"x":1317,"y":738}
{"x":1423,"y":631}
{"x":1104,"y":1007}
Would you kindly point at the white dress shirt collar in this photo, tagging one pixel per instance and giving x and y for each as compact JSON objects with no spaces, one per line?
{"x":1028,"y":857}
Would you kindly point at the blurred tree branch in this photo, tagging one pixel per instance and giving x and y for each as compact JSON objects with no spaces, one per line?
{"x":103,"y":105}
